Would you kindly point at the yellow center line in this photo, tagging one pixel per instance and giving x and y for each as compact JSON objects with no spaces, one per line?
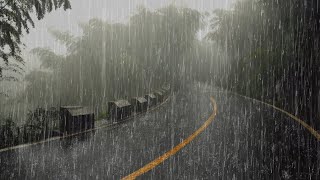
{"x":177,"y":148}
{"x":309,"y":128}
{"x":301,"y":122}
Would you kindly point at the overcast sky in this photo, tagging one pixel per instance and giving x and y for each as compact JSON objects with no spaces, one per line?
{"x":109,"y":10}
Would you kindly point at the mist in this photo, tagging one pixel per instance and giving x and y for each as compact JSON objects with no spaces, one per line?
{"x":183,"y":89}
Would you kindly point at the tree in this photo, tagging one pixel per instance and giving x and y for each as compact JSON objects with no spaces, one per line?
{"x":114,"y":61}
{"x":14,"y":18}
{"x":220,"y":24}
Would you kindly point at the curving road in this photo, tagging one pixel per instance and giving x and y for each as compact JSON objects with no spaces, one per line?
{"x":245,"y":140}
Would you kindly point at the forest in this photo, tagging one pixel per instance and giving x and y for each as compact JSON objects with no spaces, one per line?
{"x":264,"y":49}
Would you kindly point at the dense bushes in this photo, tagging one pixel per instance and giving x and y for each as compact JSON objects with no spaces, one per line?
{"x":9,"y":133}
{"x":40,"y":125}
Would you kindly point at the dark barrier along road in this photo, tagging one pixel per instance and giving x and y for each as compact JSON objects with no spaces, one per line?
{"x":244,"y":139}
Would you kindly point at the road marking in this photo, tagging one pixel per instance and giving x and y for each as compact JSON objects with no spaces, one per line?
{"x":301,"y":122}
{"x":304,"y":124}
{"x":82,"y":132}
{"x":177,"y":148}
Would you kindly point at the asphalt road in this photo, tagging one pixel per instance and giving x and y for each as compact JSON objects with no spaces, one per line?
{"x":246,"y":140}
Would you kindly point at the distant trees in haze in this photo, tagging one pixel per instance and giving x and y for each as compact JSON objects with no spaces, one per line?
{"x":111,"y":61}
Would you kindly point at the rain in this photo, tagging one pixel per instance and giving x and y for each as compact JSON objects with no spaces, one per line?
{"x":166,"y":89}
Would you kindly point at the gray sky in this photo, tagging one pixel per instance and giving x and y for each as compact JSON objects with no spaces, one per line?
{"x":109,"y":10}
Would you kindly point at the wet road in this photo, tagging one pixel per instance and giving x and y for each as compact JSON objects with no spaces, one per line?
{"x":246,"y":140}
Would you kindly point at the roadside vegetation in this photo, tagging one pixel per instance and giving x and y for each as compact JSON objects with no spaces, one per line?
{"x":264,"y":49}
{"x":109,"y":62}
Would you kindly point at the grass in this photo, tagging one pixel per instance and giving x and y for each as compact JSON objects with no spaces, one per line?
{"x":102,"y":115}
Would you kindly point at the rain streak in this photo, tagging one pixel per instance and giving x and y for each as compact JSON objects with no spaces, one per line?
{"x":166,"y":89}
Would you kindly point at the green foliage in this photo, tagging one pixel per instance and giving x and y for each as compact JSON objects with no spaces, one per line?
{"x":15,"y":18}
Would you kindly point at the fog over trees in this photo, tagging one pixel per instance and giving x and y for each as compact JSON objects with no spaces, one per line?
{"x":273,"y":52}
{"x":264,"y":49}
